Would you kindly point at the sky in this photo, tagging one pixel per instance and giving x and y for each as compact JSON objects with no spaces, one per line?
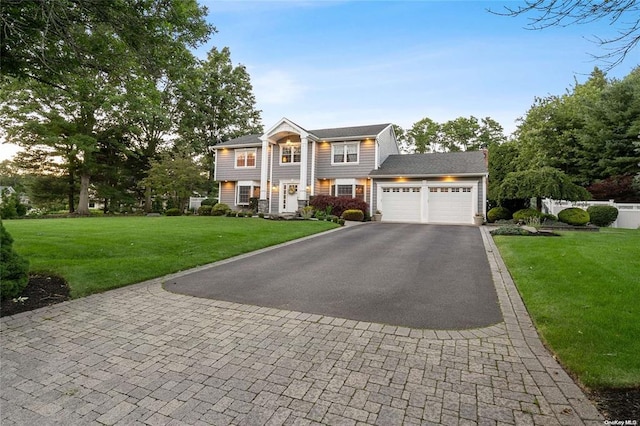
{"x":330,"y":63}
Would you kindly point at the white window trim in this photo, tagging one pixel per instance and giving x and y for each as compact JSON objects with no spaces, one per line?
{"x":334,"y":144}
{"x":245,"y":150}
{"x":250,"y":183}
{"x":350,"y":182}
{"x":292,"y":163}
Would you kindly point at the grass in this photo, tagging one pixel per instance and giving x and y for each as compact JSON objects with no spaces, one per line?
{"x":583,"y":293}
{"x":102,"y":253}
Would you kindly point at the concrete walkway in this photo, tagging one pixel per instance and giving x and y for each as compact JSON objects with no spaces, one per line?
{"x":141,"y":355}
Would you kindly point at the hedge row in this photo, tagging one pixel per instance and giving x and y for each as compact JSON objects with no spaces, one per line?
{"x":337,"y":205}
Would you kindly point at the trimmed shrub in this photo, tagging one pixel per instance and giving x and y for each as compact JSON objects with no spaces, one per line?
{"x":574,"y":216}
{"x":14,"y":269}
{"x":337,"y":205}
{"x":549,"y":217}
{"x":524,"y":214}
{"x":353,"y":215}
{"x":602,"y":215}
{"x":510,"y":230}
{"x":204,"y":210}
{"x":220,"y":209}
{"x":498,"y":213}
{"x":173,"y":212}
{"x":230,"y":213}
{"x":341,"y":222}
{"x":208,"y":202}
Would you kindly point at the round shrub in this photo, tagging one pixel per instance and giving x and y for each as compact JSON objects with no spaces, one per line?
{"x":574,"y":216}
{"x":204,"y":210}
{"x":208,"y":202}
{"x":602,"y":215}
{"x":173,"y":212}
{"x":498,"y":213}
{"x":14,"y":269}
{"x":353,"y":215}
{"x":524,"y":214}
{"x":220,"y":209}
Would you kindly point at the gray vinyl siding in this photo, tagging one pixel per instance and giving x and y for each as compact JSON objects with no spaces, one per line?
{"x":228,"y":194}
{"x":225,"y":166}
{"x":387,"y":145}
{"x":325,"y":170}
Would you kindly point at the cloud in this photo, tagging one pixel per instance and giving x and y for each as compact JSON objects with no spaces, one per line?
{"x":277,"y":87}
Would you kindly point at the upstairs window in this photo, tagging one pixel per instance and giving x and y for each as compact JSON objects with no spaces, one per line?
{"x":289,"y":154}
{"x":245,"y":158}
{"x":344,"y":152}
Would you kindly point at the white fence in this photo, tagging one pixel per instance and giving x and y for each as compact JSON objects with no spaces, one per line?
{"x":628,"y":213}
{"x":195,"y":202}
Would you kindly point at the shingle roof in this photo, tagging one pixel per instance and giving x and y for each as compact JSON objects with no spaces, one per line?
{"x":350,"y":132}
{"x":333,"y":133}
{"x":446,"y":163}
{"x":243,"y":140}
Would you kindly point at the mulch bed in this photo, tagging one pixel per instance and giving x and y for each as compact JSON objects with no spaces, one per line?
{"x":613,"y":404}
{"x":41,"y":291}
{"x":617,"y":404}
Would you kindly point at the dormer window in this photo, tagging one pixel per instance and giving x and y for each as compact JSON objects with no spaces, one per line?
{"x":345,"y":152}
{"x":290,"y":153}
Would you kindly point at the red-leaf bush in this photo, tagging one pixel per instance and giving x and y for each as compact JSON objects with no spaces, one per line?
{"x":338,"y":204}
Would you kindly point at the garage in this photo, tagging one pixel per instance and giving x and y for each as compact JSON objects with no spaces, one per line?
{"x":427,"y":203}
{"x":449,"y":204}
{"x":402,"y":204}
{"x":447,"y":188}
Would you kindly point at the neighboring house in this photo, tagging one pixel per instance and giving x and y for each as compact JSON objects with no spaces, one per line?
{"x":6,"y":190}
{"x":288,"y":164}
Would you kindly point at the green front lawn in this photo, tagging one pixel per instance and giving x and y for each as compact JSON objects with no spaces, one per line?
{"x":583,"y":292}
{"x":98,"y":254}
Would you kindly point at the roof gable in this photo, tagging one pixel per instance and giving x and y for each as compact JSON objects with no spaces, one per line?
{"x":444,"y":163}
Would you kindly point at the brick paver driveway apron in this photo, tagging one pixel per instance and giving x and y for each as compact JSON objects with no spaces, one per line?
{"x":142,"y":355}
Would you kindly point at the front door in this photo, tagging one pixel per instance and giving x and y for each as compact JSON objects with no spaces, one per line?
{"x":289,"y":198}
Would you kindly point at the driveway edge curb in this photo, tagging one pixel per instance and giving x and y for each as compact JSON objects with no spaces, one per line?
{"x":571,"y":405}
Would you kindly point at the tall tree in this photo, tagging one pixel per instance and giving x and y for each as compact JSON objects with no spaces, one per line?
{"x":46,"y":39}
{"x":76,"y":61}
{"x":175,"y":177}
{"x":218,"y":104}
{"x":425,"y":136}
{"x":460,"y":134}
{"x":404,"y":145}
{"x":611,"y":130}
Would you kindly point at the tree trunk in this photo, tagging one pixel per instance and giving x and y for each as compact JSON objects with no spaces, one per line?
{"x":71,"y":192}
{"x":148,"y":204}
{"x":83,"y":199}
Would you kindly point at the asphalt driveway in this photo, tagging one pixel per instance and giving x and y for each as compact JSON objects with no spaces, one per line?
{"x":420,"y":276}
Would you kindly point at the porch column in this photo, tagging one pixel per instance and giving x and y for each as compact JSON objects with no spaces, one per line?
{"x":263,"y":203}
{"x":302,"y":186}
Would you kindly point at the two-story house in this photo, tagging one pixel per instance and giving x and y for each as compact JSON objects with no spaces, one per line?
{"x":288,"y":164}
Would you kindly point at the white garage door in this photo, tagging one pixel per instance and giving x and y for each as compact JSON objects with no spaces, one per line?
{"x":401,"y":204}
{"x":450,"y":205}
